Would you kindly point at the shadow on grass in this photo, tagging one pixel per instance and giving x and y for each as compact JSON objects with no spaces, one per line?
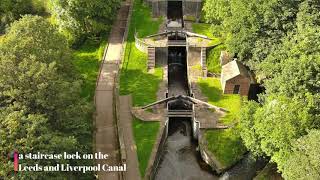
{"x":145,"y":134}
{"x":211,"y":92}
{"x":211,"y":88}
{"x":87,"y":61}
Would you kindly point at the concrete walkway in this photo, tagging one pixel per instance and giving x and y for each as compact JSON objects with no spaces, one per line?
{"x":106,"y":138}
{"x":125,"y":123}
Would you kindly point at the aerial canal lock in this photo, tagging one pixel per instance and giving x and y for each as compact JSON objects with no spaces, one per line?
{"x":181,"y":150}
{"x":175,"y":49}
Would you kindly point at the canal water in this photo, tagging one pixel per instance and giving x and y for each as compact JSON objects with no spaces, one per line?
{"x":181,"y":160}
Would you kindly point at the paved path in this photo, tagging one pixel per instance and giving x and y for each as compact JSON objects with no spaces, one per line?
{"x":125,"y":123}
{"x":106,"y":132}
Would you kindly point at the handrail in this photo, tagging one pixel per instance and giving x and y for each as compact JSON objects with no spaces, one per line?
{"x":140,"y":44}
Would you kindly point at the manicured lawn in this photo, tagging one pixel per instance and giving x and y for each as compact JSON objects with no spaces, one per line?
{"x":145,"y":134}
{"x":87,"y":61}
{"x":135,"y":80}
{"x":142,"y":21}
{"x":134,"y":77}
{"x":226,"y":145}
{"x":204,"y":29}
{"x":213,"y":63}
{"x":211,"y":88}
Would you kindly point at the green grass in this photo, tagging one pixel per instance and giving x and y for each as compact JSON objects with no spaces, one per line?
{"x":213,"y":63}
{"x":145,"y":134}
{"x":211,"y":88}
{"x":204,"y":29}
{"x":87,"y":60}
{"x":213,"y":59}
{"x":142,"y":21}
{"x":134,"y":77}
{"x":135,"y":80}
{"x":226,"y":145}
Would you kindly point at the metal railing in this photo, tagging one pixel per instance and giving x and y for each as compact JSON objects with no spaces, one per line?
{"x":140,"y":44}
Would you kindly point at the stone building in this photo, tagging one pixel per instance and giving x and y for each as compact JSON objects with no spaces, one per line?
{"x":235,"y":78}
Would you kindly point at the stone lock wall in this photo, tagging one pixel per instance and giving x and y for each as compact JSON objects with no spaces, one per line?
{"x":190,"y":7}
{"x":194,"y":56}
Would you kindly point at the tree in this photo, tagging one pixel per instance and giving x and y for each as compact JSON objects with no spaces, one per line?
{"x":270,"y":128}
{"x":76,"y":18}
{"x":11,"y":10}
{"x":251,"y":27}
{"x":279,"y":40}
{"x":304,"y":162}
{"x":247,"y":128}
{"x":41,"y":108}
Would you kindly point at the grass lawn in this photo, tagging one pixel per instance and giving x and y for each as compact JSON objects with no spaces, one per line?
{"x":145,"y":134}
{"x":134,"y":77}
{"x":204,"y":29}
{"x":87,"y":61}
{"x":211,"y":88}
{"x":226,"y":145}
{"x":213,"y":63}
{"x":135,"y":80}
{"x":213,"y":59}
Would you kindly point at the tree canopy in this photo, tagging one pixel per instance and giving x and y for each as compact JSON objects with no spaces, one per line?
{"x":76,"y":18}
{"x":11,"y":10}
{"x":304,"y":162}
{"x":41,"y":109}
{"x":279,"y":41}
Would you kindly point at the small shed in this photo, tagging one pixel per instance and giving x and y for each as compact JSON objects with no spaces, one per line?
{"x":235,"y":78}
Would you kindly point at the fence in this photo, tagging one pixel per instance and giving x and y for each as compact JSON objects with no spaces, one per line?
{"x":140,"y":44}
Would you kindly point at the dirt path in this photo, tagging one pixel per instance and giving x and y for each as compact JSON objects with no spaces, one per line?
{"x":106,"y":131}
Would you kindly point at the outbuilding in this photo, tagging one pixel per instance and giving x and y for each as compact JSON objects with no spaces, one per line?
{"x":235,"y":78}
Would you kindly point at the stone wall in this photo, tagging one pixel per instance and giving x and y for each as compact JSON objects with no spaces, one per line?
{"x":151,"y":172}
{"x":161,"y":56}
{"x":192,"y":8}
{"x":194,"y":56}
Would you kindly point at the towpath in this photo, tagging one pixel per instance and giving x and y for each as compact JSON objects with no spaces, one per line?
{"x":106,"y":137}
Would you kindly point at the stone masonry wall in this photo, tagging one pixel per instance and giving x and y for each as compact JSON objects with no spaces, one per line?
{"x":194,"y":56}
